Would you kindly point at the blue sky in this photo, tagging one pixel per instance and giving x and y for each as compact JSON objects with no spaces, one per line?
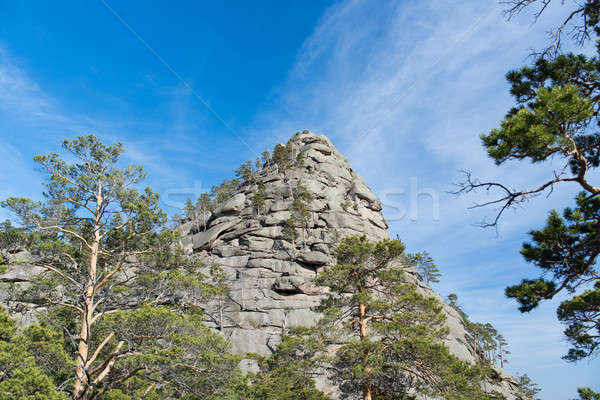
{"x":404,"y":89}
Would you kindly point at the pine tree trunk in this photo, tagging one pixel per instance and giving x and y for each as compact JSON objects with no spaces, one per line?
{"x":80,"y":383}
{"x":367,"y":395}
{"x":221,"y":313}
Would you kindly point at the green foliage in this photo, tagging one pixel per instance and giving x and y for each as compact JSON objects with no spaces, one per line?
{"x":285,"y":375}
{"x":300,"y":209}
{"x":176,"y":349}
{"x":543,"y":128}
{"x":11,"y":239}
{"x":485,"y":339}
{"x":266,"y":158}
{"x":223,"y":192}
{"x":246,"y":172}
{"x":528,"y":387}
{"x":20,"y":376}
{"x":282,"y":156}
{"x":190,"y":209}
{"x":566,"y":250}
{"x":587,"y":394}
{"x":556,"y":116}
{"x":205,"y":205}
{"x":425,"y":266}
{"x":300,"y":214}
{"x":258,"y":200}
{"x":285,"y":157}
{"x":289,"y":231}
{"x":103,"y":243}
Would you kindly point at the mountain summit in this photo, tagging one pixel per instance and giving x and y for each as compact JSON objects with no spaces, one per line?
{"x":277,"y":230}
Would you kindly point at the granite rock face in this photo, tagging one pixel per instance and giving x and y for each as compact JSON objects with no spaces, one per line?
{"x":271,"y":279}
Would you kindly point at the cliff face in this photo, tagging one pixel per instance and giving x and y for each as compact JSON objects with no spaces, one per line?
{"x":271,"y":278}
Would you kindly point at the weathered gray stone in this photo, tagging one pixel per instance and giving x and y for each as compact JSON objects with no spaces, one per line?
{"x":255,"y":243}
{"x":204,"y":239}
{"x":236,"y":203}
{"x":273,"y":287}
{"x":295,"y":284}
{"x":313,"y":257}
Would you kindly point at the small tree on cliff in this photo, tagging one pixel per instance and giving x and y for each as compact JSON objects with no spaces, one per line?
{"x":301,"y":208}
{"x":426,"y":267}
{"x":258,"y":201}
{"x":205,"y":206}
{"x":391,"y":334}
{"x":103,"y":255}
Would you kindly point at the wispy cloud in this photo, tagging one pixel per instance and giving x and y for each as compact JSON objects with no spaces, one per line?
{"x":166,"y":146}
{"x":19,"y":95}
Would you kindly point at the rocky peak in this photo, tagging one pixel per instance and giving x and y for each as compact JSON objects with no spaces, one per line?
{"x":270,"y":274}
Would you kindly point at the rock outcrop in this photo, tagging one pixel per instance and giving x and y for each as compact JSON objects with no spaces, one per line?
{"x":271,"y":278}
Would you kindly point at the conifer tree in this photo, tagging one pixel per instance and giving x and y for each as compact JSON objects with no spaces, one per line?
{"x":502,"y":349}
{"x":266,"y":158}
{"x":425,"y":266}
{"x":528,"y":387}
{"x":205,"y":206}
{"x":301,"y":208}
{"x":258,"y":201}
{"x":587,"y":394}
{"x":282,"y":156}
{"x":557,"y":103}
{"x":192,"y":213}
{"x":379,"y":338}
{"x":223,"y":192}
{"x":246,"y":172}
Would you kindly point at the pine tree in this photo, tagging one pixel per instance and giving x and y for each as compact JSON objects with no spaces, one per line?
{"x":425,"y":266}
{"x":587,"y":394}
{"x":246,"y":172}
{"x":258,"y":201}
{"x":103,"y":244}
{"x":282,"y":156}
{"x":205,"y":205}
{"x":502,"y":350}
{"x":192,"y":213}
{"x":266,"y":158}
{"x":223,"y":192}
{"x":301,"y":208}
{"x":379,"y":337}
{"x":557,"y":99}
